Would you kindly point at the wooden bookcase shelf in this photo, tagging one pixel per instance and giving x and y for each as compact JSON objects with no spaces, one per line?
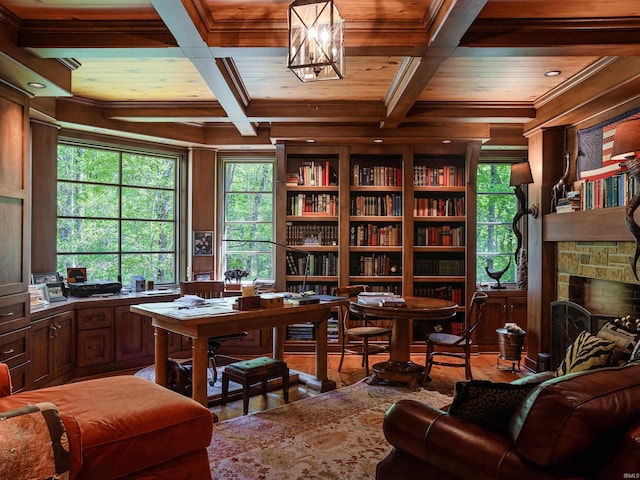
{"x":382,"y":248}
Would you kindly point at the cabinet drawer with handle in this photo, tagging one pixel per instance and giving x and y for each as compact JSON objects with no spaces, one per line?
{"x":13,"y":312}
{"x":90,"y":318}
{"x":13,"y":347}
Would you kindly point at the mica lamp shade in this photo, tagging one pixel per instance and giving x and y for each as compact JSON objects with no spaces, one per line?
{"x":520,"y":174}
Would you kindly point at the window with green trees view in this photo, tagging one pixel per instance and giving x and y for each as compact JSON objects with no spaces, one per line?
{"x":248,"y":215}
{"x":116,"y":213}
{"x":496,"y":242}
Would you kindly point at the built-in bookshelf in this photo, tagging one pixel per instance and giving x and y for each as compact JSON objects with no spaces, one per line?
{"x":396,"y":219}
{"x":375,"y":220}
{"x":312,"y":227}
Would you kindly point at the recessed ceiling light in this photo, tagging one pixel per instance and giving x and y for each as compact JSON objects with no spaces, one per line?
{"x":552,"y":73}
{"x":378,"y":140}
{"x":36,"y":85}
{"x":446,"y":141}
{"x":310,"y":140}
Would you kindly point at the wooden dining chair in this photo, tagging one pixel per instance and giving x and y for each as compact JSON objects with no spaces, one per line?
{"x":355,"y":334}
{"x":456,"y":346}
{"x":211,"y":289}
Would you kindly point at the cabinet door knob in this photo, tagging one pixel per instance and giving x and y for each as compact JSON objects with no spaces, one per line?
{"x":511,"y":308}
{"x":9,"y":352}
{"x":8,"y":314}
{"x":52,"y":331}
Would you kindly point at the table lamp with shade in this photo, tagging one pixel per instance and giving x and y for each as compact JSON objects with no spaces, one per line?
{"x":626,"y":146}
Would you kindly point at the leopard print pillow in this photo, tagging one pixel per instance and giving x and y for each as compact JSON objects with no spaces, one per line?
{"x":488,"y":404}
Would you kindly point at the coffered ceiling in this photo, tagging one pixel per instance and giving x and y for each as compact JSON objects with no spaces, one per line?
{"x":213,"y":73}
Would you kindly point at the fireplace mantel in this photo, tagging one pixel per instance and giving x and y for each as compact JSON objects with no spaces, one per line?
{"x":605,"y":224}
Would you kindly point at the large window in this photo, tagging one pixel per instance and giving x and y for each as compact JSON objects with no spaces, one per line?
{"x":496,"y":242}
{"x":116,"y":213}
{"x":248,"y":215}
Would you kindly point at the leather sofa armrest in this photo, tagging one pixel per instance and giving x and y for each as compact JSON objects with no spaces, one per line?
{"x":5,"y":380}
{"x":460,"y":448}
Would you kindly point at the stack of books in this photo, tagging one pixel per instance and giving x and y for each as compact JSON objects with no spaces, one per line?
{"x":571,"y":203}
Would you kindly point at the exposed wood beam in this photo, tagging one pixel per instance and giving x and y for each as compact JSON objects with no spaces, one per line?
{"x":81,"y":114}
{"x":215,"y":73}
{"x":492,"y":112}
{"x":451,"y":22}
{"x":164,"y":111}
{"x":324,"y":112}
{"x":611,"y":32}
{"x":431,"y":134}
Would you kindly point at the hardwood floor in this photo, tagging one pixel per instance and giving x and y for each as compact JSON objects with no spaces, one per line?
{"x":443,"y":379}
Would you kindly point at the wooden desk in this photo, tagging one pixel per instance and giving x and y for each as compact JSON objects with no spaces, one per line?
{"x":399,"y":368}
{"x":208,"y":322}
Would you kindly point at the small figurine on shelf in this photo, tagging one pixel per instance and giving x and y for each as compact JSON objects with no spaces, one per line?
{"x":498,"y":275}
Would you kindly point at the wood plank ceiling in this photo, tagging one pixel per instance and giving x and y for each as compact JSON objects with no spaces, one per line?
{"x":212,"y":72}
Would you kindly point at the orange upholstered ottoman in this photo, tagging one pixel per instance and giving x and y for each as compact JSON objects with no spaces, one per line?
{"x":128,"y":427}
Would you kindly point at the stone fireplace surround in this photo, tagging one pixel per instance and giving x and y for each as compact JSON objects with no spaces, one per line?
{"x":595,"y":285}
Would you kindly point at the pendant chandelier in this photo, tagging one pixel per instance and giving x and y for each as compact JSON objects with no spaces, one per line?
{"x":316,"y":40}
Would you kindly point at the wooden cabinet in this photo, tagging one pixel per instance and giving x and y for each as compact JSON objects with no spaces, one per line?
{"x":53,"y":353}
{"x":506,"y":306}
{"x":95,"y":336}
{"x":15,"y":212}
{"x":134,"y":335}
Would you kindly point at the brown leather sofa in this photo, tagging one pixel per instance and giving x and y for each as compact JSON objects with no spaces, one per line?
{"x":580,"y":426}
{"x":121,"y":427}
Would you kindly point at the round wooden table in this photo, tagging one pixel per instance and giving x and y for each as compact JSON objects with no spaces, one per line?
{"x":399,"y":368}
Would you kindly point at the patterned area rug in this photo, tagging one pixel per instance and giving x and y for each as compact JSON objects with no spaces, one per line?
{"x":337,"y":435}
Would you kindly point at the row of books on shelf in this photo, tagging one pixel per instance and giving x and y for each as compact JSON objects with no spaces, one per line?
{"x":445,"y":176}
{"x":325,"y":234}
{"x":317,"y":288}
{"x":442,"y":235}
{"x":442,"y":266}
{"x":301,"y":331}
{"x":389,"y":205}
{"x":445,"y":292}
{"x":372,"y":265}
{"x":612,"y":191}
{"x":302,"y":204}
{"x":373,"y":235}
{"x":438,"y":207}
{"x":313,"y":174}
{"x":323,"y":264}
{"x":380,"y":176}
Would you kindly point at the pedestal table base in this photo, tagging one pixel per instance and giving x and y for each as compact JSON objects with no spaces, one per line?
{"x":398,"y":372}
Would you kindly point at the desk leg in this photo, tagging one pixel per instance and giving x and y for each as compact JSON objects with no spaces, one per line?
{"x":321,"y":382}
{"x":279,"y":333}
{"x":199,"y":374}
{"x":161,"y":355}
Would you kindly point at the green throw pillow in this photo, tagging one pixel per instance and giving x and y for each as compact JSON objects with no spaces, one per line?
{"x":624,"y":339}
{"x":585,"y":353}
{"x":488,"y":404}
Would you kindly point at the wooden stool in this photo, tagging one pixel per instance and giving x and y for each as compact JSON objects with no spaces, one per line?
{"x":250,"y":372}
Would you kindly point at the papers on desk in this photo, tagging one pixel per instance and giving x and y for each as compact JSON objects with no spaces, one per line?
{"x":191,"y":307}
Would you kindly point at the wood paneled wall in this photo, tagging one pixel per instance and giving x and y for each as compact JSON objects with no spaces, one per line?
{"x":44,"y":141}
